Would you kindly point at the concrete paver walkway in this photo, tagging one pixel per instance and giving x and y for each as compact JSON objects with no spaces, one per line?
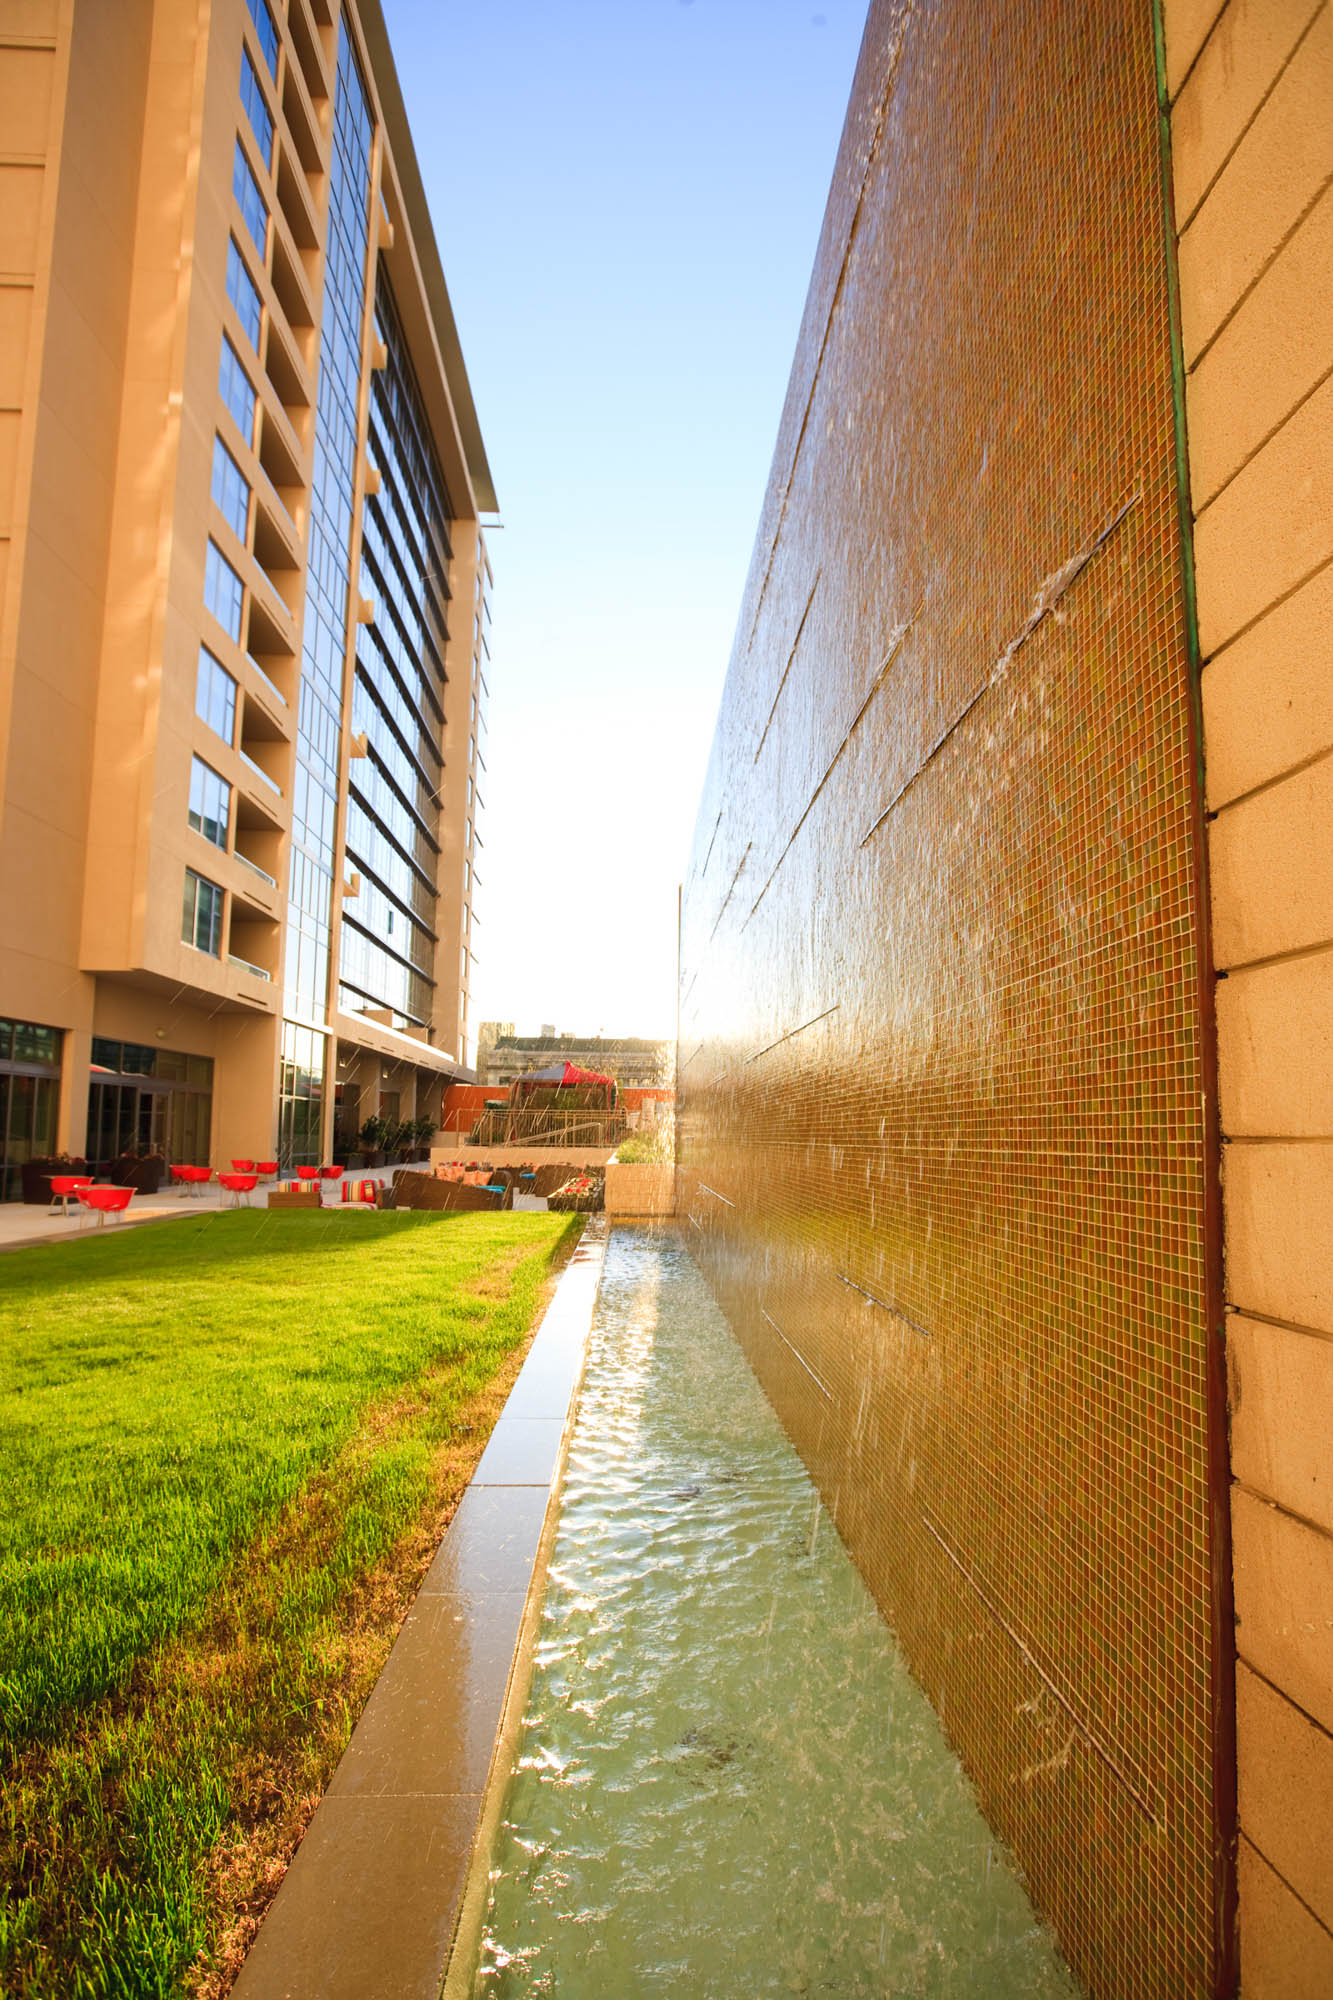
{"x":23,"y":1225}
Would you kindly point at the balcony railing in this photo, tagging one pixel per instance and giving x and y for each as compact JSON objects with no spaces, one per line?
{"x":255,"y":869}
{"x":256,"y":971}
{"x":260,"y":772}
{"x":510,"y":1127}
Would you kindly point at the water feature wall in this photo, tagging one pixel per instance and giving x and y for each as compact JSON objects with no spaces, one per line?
{"x":944,"y":1063}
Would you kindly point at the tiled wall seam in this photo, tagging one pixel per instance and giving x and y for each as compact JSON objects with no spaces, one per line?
{"x":1253,"y":124}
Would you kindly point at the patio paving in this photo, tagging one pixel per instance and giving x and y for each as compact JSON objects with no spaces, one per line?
{"x":22,"y":1226}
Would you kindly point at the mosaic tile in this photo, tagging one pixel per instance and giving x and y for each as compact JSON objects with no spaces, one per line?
{"x":942,"y":1140}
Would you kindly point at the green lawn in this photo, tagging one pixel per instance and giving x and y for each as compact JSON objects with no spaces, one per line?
{"x":226,"y":1445}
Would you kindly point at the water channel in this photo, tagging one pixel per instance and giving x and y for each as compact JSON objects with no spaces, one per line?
{"x":728,"y":1784}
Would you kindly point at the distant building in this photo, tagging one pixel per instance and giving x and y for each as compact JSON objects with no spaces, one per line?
{"x":635,"y":1064}
{"x":243,"y":620}
{"x":488,"y":1034}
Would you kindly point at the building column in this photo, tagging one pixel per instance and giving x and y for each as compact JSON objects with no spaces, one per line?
{"x":76,"y":1055}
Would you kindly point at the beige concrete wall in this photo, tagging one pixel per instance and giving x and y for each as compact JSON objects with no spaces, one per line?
{"x":640,"y":1188}
{"x":1251,"y":84}
{"x":73,"y":85}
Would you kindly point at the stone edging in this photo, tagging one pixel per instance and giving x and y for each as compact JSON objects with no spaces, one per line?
{"x":387,"y":1892}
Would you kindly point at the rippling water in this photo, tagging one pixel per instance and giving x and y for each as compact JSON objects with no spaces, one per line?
{"x":729,"y":1784}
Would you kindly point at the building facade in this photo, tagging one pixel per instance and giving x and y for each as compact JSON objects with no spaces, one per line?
{"x":1005,"y":1087}
{"x":243,"y":601}
{"x":503,"y":1056}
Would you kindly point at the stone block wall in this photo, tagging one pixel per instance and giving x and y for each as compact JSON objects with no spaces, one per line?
{"x":1251,"y":89}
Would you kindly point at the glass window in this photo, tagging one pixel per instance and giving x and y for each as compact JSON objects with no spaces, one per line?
{"x":201,"y":923}
{"x":235,"y":391}
{"x":256,"y":106}
{"x":215,"y":696}
{"x":231,"y":490}
{"x":253,"y":207}
{"x":223,"y":593}
{"x":243,"y":293}
{"x":31,"y":1043}
{"x":267,"y":33}
{"x":210,"y":802}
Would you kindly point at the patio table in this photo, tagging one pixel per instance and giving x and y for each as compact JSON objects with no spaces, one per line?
{"x":65,"y":1185}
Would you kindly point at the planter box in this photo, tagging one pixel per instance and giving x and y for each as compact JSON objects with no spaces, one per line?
{"x":301,"y":1200}
{"x":35,"y":1176}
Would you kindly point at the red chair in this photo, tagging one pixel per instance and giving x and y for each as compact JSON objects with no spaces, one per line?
{"x":65,"y":1185}
{"x":237,"y":1185}
{"x":266,"y":1169}
{"x":104,"y":1200}
{"x":192,"y":1179}
{"x":241,"y":1167}
{"x":331,"y":1173}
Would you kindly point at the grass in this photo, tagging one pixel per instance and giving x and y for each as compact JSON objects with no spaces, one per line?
{"x":227,"y":1449}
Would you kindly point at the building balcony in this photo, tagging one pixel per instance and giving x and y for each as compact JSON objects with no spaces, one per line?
{"x":313,"y":49}
{"x":306,"y":122}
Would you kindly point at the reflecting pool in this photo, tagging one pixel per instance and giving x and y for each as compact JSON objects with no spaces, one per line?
{"x":728,"y":1782}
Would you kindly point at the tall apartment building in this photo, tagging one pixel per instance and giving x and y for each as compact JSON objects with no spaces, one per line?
{"x":243,"y":617}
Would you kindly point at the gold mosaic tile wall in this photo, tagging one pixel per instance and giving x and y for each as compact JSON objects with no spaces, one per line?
{"x":942,"y":1057}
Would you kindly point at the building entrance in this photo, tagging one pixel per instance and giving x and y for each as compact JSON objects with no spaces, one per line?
{"x":29,"y":1095}
{"x":148,"y":1100}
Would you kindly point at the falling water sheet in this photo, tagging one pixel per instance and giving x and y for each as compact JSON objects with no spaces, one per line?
{"x":728,"y":1784}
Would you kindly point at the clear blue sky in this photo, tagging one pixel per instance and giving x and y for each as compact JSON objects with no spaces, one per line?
{"x":627,"y":196}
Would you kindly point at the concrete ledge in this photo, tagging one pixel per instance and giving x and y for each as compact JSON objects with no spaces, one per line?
{"x":372,"y":1900}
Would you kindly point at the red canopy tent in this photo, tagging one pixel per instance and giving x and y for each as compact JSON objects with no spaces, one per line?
{"x":566,"y":1076}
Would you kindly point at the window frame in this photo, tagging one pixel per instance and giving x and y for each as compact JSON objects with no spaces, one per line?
{"x":190,"y":913}
{"x":202,"y":778}
{"x":204,"y":710}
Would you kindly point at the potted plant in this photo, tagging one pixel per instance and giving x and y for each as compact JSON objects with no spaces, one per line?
{"x":373,"y":1136}
{"x":423,"y":1131}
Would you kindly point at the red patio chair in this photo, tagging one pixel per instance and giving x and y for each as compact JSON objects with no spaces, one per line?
{"x":331,"y":1173}
{"x":266,"y":1169}
{"x":237,"y":1185}
{"x":104,"y":1200}
{"x":242,"y":1167}
{"x":65,"y":1185}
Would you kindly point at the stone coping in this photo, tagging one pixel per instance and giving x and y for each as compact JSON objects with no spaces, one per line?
{"x":371,"y":1904}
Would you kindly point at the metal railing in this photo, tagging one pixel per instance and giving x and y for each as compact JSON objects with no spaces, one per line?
{"x":276,"y":691}
{"x":260,"y":772}
{"x":256,"y":971}
{"x":512,"y":1127}
{"x":255,"y":869}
